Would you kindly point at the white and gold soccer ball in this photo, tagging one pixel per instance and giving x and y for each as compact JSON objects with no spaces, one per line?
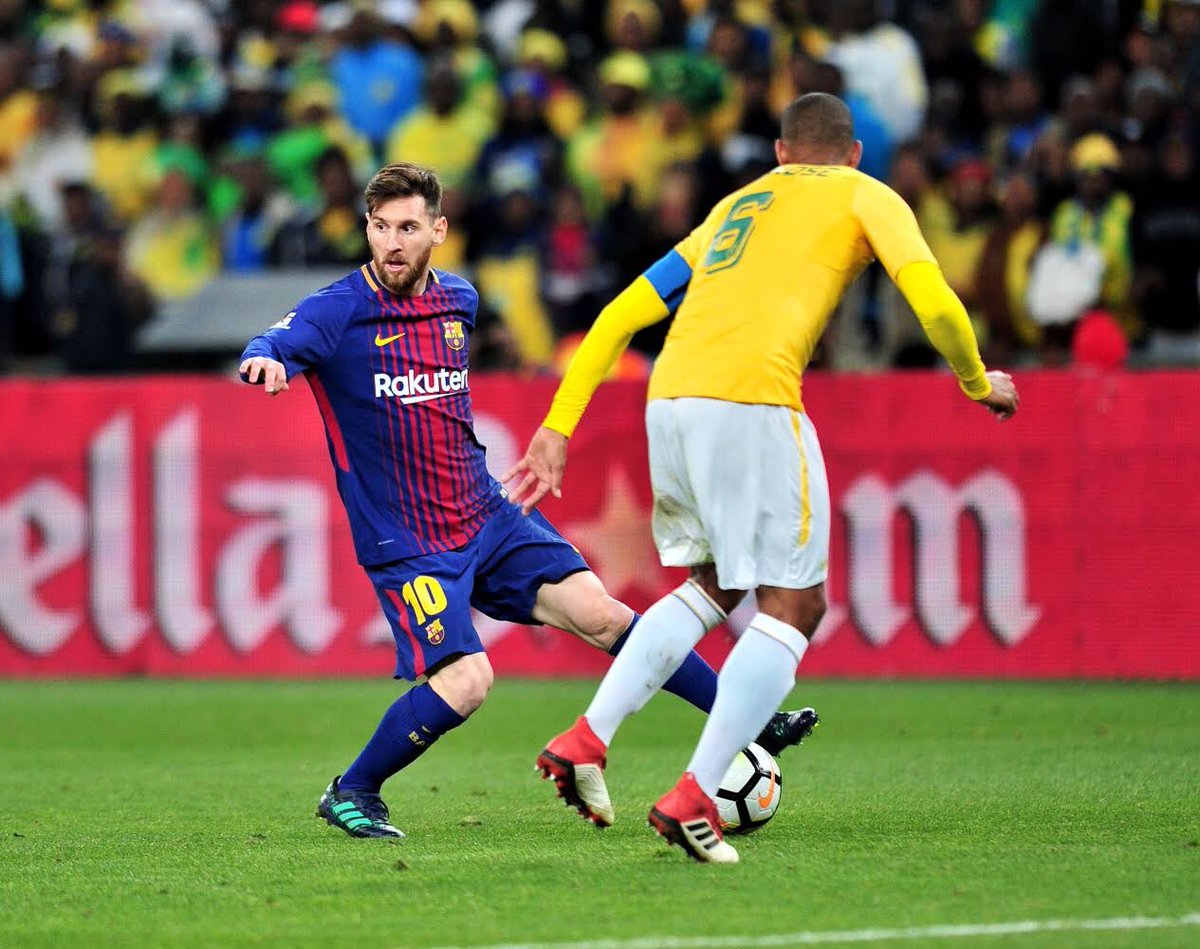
{"x":750,"y":791}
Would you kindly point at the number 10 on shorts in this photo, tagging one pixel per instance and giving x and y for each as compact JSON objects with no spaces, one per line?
{"x":424,"y":596}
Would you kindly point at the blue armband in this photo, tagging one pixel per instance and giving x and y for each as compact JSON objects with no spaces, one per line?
{"x":669,"y":276}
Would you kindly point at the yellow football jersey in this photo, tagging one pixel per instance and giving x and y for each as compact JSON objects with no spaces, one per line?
{"x":768,"y":267}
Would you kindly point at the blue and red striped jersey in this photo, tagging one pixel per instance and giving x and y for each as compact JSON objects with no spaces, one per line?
{"x":390,"y":377}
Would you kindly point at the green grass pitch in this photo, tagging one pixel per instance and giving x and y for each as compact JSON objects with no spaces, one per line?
{"x":180,"y":813}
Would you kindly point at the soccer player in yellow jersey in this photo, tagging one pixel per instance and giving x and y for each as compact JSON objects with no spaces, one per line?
{"x":740,"y":493}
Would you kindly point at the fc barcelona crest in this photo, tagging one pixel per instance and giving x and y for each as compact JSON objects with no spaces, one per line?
{"x":435,"y":632}
{"x":455,"y":337}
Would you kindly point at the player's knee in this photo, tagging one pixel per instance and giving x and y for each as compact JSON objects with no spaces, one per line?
{"x":605,"y":619}
{"x":802,"y":609}
{"x":811,"y":610}
{"x":464,"y":683}
{"x":476,"y":686}
{"x":705,"y":577}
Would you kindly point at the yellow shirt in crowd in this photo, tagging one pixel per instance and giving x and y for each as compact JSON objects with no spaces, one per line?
{"x":450,"y":143}
{"x":124,"y":171}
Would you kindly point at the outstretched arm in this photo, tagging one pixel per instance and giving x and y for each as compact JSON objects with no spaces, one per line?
{"x":894,"y":236}
{"x":944,"y":320}
{"x":301,"y":340}
{"x":651,"y":297}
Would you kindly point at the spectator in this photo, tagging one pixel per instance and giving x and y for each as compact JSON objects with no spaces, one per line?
{"x":954,"y":71}
{"x":509,"y":273}
{"x":444,"y":133}
{"x":184,"y":149}
{"x":250,"y":213}
{"x":315,"y":127}
{"x":729,"y":44}
{"x":1002,"y":276}
{"x":1049,"y":162}
{"x":59,"y":151}
{"x":1098,"y":216}
{"x":996,"y":34}
{"x":252,"y":109}
{"x":334,"y":231}
{"x":172,"y":249}
{"x":957,"y":240}
{"x":81,"y":220}
{"x":1147,"y":122}
{"x":1166,"y":249}
{"x":882,"y":62}
{"x":191,"y":83}
{"x":569,"y":265}
{"x":617,"y":151}
{"x":378,"y":80}
{"x":123,"y":149}
{"x":693,"y":85}
{"x":545,"y":55}
{"x":296,"y":52}
{"x":633,"y":25}
{"x":734,"y":33}
{"x":1080,"y":112}
{"x":1181,"y":33}
{"x":449,"y":28}
{"x":524,"y":152}
{"x":747,"y":111}
{"x":18,"y":107}
{"x":104,"y":306}
{"x":1025,"y":120}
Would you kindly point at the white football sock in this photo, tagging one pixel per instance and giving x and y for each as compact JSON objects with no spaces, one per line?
{"x":657,"y":647}
{"x":757,"y":676}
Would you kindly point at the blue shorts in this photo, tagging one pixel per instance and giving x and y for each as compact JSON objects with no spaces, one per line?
{"x":428,"y":599}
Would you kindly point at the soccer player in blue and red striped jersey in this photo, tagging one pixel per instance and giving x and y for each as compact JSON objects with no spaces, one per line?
{"x":384,"y":351}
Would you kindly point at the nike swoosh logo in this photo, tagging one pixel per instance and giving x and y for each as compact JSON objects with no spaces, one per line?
{"x":380,"y":341}
{"x":764,"y":800}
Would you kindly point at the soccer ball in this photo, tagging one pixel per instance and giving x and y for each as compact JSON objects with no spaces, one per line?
{"x":749,"y":793}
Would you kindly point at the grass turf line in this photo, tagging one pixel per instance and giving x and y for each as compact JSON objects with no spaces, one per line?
{"x":178,"y":813}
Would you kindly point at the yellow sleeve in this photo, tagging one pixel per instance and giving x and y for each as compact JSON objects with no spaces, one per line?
{"x":689,"y":247}
{"x":945,"y":321}
{"x":890,"y":227}
{"x":634,"y":308}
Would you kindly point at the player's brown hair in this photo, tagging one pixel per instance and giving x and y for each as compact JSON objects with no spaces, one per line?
{"x":403,"y":179}
{"x":817,"y":119}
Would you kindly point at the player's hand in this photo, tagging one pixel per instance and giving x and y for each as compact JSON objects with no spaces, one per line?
{"x":1003,"y":400}
{"x":261,"y":370}
{"x":540,"y":471}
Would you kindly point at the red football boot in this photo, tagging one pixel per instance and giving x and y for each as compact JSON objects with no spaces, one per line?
{"x":575,"y":759}
{"x":687,"y":816}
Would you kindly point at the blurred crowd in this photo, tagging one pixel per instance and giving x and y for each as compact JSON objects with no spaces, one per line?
{"x":1047,"y":148}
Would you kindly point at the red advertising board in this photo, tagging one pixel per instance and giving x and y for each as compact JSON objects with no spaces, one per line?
{"x":190,"y":527}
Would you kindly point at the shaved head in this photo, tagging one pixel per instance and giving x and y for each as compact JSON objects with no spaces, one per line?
{"x":817,"y":124}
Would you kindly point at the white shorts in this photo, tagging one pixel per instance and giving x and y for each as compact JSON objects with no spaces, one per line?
{"x":742,"y":487}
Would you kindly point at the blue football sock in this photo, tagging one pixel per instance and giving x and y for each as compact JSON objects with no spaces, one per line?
{"x":414,"y":722}
{"x":695,"y":681}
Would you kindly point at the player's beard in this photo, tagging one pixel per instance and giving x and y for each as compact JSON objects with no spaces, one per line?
{"x":403,"y":283}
